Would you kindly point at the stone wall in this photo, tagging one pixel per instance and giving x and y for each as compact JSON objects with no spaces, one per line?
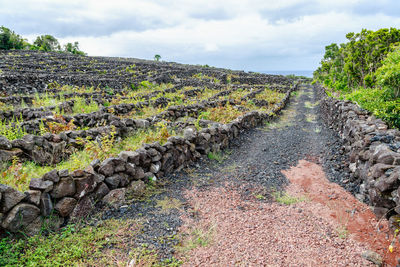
{"x":72,"y":195}
{"x":374,"y":152}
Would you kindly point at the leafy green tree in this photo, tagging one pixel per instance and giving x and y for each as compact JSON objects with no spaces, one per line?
{"x":388,"y":75}
{"x":47,"y":43}
{"x":157,"y":57}
{"x":10,"y":40}
{"x":354,"y":63}
{"x":73,"y":48}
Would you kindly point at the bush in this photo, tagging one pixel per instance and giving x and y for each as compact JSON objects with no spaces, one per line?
{"x":379,"y":102}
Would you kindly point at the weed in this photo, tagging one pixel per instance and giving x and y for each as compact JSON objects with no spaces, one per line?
{"x":285,"y":198}
{"x":74,"y":245}
{"x":102,"y":148}
{"x":58,"y":126}
{"x":46,"y":100}
{"x":81,"y":106}
{"x":169,"y":203}
{"x":230,"y":168}
{"x":12,"y":130}
{"x":342,"y":232}
{"x":202,"y":76}
{"x":197,"y":237}
{"x":271,"y":96}
{"x":142,"y":256}
{"x":14,"y":175}
{"x":260,"y":197}
{"x":217,"y":156}
{"x":310,"y":118}
{"x":224,"y":114}
{"x":131,"y":69}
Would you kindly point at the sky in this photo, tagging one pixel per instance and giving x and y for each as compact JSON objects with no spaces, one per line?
{"x":254,"y":35}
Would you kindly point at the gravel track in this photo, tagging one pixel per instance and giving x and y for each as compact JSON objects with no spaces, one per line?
{"x":252,"y":169}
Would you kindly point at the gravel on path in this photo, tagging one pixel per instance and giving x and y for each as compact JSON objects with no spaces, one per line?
{"x":232,"y":202}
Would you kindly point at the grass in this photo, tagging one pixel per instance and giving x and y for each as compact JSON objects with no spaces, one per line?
{"x":217,"y":156}
{"x":197,"y":237}
{"x":143,"y":256}
{"x":222,"y":114}
{"x":81,"y":106}
{"x":271,"y":96}
{"x":18,"y":174}
{"x":286,"y":199}
{"x":46,"y":100}
{"x":311,"y":118}
{"x":74,"y":245}
{"x":169,"y":203}
{"x":342,"y":232}
{"x":12,"y":129}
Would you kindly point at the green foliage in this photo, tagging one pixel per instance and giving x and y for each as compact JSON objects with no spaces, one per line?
{"x":12,"y":130}
{"x":365,"y":70}
{"x":146,"y":84}
{"x":388,"y":75}
{"x":101,"y":149}
{"x":81,"y":106}
{"x":286,"y":199}
{"x":354,"y":63}
{"x":73,"y":48}
{"x":15,"y":176}
{"x":223,"y":114}
{"x":47,"y":43}
{"x":131,"y":69}
{"x":157,"y":57}
{"x":217,"y":156}
{"x":379,"y":102}
{"x":74,"y":245}
{"x":10,"y":40}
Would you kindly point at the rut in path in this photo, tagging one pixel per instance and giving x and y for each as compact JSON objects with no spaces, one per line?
{"x":230,"y":203}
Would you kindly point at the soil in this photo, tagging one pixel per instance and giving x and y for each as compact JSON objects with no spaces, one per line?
{"x":232,"y":207}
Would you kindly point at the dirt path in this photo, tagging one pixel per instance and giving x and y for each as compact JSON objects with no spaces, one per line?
{"x":236,"y":211}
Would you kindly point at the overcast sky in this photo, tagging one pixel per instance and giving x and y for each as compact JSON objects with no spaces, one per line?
{"x":255,"y":35}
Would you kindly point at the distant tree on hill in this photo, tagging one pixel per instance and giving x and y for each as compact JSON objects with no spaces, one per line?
{"x":11,"y":40}
{"x":73,"y":48}
{"x":46,"y":43}
{"x":157,"y":57}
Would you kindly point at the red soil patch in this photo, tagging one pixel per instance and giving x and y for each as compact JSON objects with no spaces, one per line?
{"x":258,"y":233}
{"x":340,"y":206}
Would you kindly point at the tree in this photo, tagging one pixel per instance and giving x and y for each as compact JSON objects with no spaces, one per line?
{"x":157,"y":57}
{"x":73,"y":49}
{"x":47,"y":43}
{"x":388,"y":75}
{"x":355,"y":62}
{"x":10,"y":40}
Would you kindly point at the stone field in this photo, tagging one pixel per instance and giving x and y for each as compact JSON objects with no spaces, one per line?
{"x":77,"y":130}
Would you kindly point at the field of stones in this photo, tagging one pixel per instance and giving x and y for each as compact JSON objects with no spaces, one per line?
{"x":75,"y":130}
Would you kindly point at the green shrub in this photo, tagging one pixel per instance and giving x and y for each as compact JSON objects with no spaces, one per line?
{"x":379,"y":102}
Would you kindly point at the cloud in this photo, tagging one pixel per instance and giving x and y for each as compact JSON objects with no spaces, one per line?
{"x":252,"y":35}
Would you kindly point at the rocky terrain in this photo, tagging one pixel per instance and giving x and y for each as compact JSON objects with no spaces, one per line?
{"x":193,"y":149}
{"x":189,"y":111}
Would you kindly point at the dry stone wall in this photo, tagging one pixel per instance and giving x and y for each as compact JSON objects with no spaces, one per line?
{"x":374,"y":153}
{"x":72,"y":195}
